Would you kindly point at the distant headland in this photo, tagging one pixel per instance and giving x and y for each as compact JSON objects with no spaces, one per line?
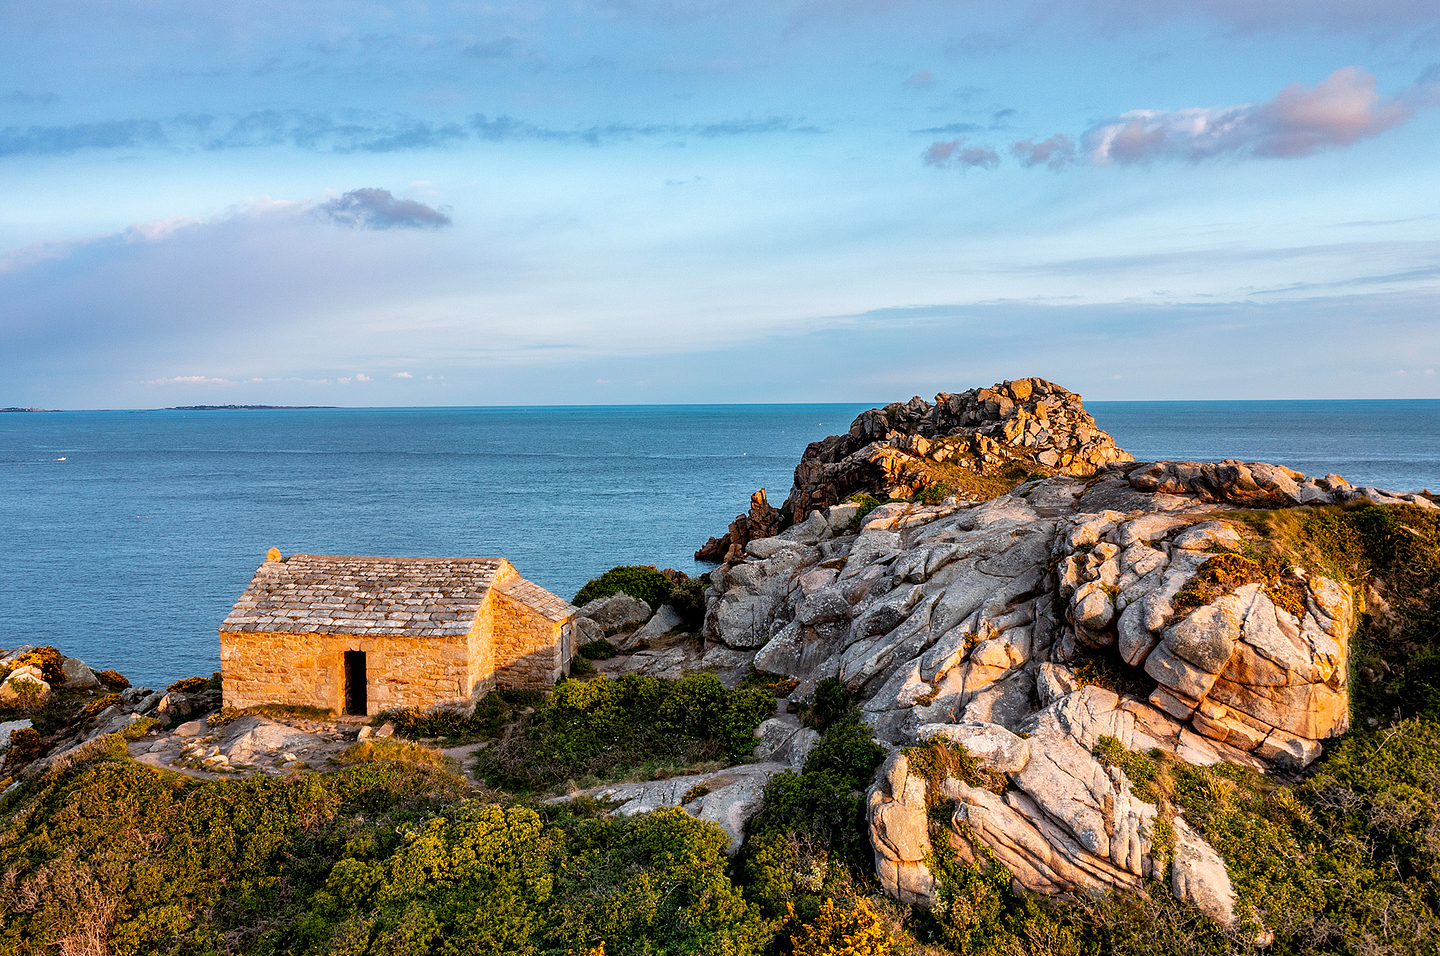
{"x":224,"y":408}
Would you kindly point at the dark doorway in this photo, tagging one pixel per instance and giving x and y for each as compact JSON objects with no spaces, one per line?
{"x":355,"y":683}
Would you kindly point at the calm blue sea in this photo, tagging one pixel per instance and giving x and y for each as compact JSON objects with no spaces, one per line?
{"x":126,"y":536}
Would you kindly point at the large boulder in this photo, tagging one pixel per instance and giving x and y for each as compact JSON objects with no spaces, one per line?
{"x":615,"y":611}
{"x":24,"y":684}
{"x":78,"y":676}
{"x":727,"y":797}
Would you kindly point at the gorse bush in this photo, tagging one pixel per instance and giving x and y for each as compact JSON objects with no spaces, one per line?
{"x":25,"y":745}
{"x":612,"y":728}
{"x":113,"y":679}
{"x":858,"y":931}
{"x":47,"y":660}
{"x":637,"y":580}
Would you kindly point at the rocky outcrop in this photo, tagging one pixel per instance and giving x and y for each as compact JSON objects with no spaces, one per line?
{"x":761,"y":521}
{"x":1012,"y":428}
{"x":1118,"y":604}
{"x":1067,"y":824}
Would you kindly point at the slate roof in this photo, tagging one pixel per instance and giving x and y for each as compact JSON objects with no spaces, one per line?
{"x":409,"y":597}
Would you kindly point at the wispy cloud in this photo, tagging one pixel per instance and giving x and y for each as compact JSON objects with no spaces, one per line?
{"x":64,"y":140}
{"x":375,"y":208}
{"x":1340,"y":110}
{"x":955,"y":153}
{"x":323,"y":132}
{"x":509,"y":128}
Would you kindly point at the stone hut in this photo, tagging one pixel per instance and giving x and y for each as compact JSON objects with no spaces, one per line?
{"x":360,"y":635}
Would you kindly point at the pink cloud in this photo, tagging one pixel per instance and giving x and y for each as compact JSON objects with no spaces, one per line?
{"x":1056,"y":152}
{"x":955,"y":152}
{"x":1340,"y":110}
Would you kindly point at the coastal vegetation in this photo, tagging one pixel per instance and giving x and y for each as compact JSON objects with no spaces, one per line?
{"x":391,"y":850}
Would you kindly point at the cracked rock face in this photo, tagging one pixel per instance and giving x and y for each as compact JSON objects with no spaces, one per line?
{"x":970,"y":621}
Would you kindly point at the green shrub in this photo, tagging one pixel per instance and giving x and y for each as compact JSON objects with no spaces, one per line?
{"x":825,"y":803}
{"x":867,"y":503}
{"x":597,"y":650}
{"x":935,"y":494}
{"x":610,"y":729}
{"x":641,"y":581}
{"x":688,"y":599}
{"x":833,"y":701}
{"x":849,"y":751}
{"x":487,"y":719}
{"x":189,"y":685}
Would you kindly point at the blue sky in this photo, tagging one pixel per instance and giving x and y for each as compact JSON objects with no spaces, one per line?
{"x":450,"y":203}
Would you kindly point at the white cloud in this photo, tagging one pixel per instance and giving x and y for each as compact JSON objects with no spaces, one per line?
{"x":362,"y":377}
{"x":402,"y":375}
{"x":1340,"y":110}
{"x":193,"y":380}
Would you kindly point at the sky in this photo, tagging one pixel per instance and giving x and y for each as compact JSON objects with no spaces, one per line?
{"x":379,"y":203}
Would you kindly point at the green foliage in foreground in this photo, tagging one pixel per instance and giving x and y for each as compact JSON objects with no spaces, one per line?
{"x":384,"y":858}
{"x":641,"y":581}
{"x":607,"y":729}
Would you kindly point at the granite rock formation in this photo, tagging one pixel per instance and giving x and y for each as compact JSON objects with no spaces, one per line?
{"x":761,"y":521}
{"x":987,"y":622}
{"x":1006,"y":431}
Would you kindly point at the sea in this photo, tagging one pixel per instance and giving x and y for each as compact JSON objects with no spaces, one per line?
{"x":125,"y":536}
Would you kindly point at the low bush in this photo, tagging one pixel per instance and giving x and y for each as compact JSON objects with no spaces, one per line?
{"x":113,"y":679}
{"x":99,"y":705}
{"x":688,"y":599}
{"x":405,"y":751}
{"x":935,"y":494}
{"x":825,"y":803}
{"x":598,"y":650}
{"x":189,"y":685}
{"x":25,"y":745}
{"x":832,"y":701}
{"x":47,"y":660}
{"x":857,"y":931}
{"x":641,"y":581}
{"x":612,"y":728}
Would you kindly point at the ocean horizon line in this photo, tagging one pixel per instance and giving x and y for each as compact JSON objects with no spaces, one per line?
{"x":523,"y":406}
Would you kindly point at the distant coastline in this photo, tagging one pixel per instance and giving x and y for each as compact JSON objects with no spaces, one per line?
{"x":27,"y":409}
{"x":223,"y":408}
